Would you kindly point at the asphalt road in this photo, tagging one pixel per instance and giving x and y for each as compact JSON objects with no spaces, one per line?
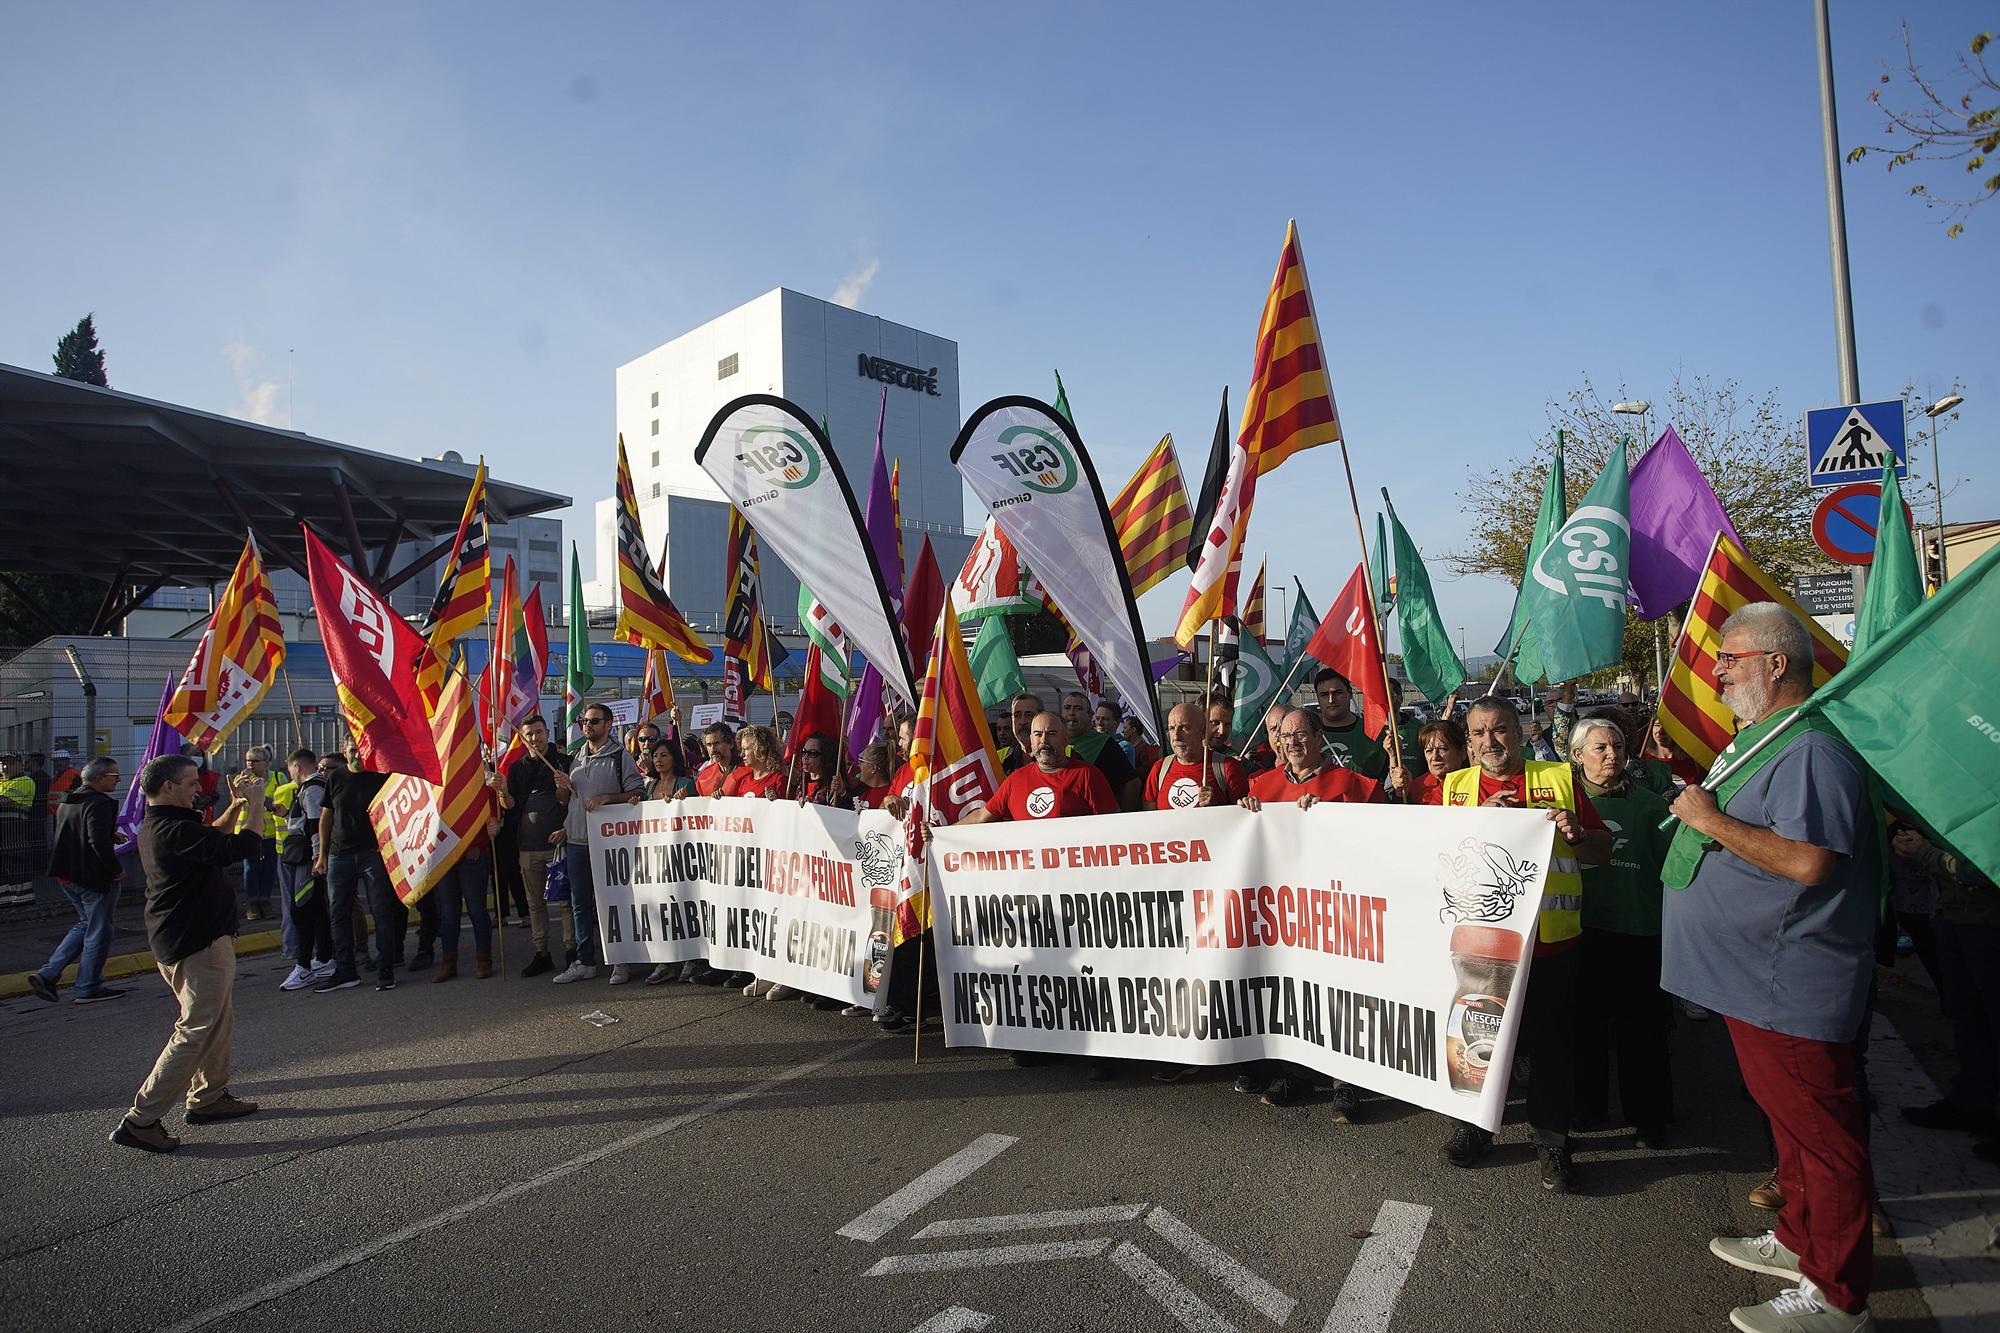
{"x":476,"y":1156}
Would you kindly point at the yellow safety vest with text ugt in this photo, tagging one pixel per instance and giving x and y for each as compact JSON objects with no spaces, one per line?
{"x":1550,"y":787}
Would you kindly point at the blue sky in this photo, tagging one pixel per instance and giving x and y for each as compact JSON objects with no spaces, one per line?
{"x":464,"y":218}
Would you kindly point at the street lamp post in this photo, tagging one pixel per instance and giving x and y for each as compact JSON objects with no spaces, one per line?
{"x":1934,"y":411}
{"x":1639,"y":407}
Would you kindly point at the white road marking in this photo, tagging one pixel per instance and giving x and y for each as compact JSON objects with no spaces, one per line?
{"x":1368,"y":1297}
{"x":954,"y":1319}
{"x":885,"y":1216}
{"x":382,"y":1244}
{"x":1064,"y":1217}
{"x":1273,"y":1304}
{"x":1052,"y":1252}
{"x":1188,"y":1309}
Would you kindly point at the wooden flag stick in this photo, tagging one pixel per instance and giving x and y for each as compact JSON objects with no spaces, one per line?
{"x":298,"y":727}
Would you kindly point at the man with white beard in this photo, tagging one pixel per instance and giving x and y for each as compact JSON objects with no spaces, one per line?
{"x":1773,"y":883}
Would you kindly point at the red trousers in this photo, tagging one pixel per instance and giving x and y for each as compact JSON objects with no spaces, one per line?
{"x":1807,"y":1089}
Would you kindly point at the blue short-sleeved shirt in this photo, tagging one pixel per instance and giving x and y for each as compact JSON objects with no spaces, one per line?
{"x":1769,"y":951}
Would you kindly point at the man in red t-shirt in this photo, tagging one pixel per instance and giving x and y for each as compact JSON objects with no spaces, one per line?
{"x":1052,"y":787}
{"x":1303,"y":776}
{"x":1178,"y":781}
{"x":720,"y":743}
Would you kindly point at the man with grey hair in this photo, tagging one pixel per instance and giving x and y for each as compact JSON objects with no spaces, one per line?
{"x":85,"y":864}
{"x":1769,"y":920}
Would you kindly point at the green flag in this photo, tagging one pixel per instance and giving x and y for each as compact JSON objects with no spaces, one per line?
{"x":1062,"y":400}
{"x":1304,"y":621}
{"x":1257,"y":682}
{"x":578,"y":677}
{"x":1381,"y":576}
{"x":995,"y":669}
{"x":822,"y":631}
{"x":1429,"y":660}
{"x":1921,"y":707}
{"x":1894,"y":587}
{"x":1574,"y":589}
{"x":1527,"y":651}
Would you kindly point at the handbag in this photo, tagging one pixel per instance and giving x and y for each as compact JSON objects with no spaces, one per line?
{"x":556,"y":890}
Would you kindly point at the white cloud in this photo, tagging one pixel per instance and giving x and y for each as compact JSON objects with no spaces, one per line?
{"x":855,"y":285}
{"x":257,"y":400}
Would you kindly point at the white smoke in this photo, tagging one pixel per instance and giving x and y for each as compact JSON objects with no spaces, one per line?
{"x":855,"y":285}
{"x":257,"y":399}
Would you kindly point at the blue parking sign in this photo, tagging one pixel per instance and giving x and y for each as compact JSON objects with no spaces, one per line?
{"x":1851,"y":443}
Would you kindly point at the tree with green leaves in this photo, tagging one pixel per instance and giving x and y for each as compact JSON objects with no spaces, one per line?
{"x":1954,"y":119}
{"x":78,"y":357}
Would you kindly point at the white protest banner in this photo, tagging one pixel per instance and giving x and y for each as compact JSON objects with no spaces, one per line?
{"x":1025,"y":462}
{"x":777,"y":467}
{"x":801,"y":895}
{"x":1384,"y":945}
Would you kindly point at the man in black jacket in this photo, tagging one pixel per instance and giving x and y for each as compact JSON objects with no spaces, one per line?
{"x":191,"y":917}
{"x":85,"y":864}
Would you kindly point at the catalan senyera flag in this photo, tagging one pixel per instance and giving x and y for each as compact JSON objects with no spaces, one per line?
{"x":236,"y":660}
{"x":423,"y":828}
{"x":1290,"y":404}
{"x":744,"y":626}
{"x":647,"y":617}
{"x":373,"y":654}
{"x":1253,"y":606}
{"x":1691,"y":708}
{"x":465,"y":591}
{"x":1153,"y":519}
{"x":951,"y":750}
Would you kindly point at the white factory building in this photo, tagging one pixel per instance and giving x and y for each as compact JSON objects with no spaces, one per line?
{"x":833,"y":362}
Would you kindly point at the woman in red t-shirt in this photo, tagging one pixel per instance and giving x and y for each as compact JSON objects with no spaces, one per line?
{"x":818,"y":780}
{"x":1443,"y":745}
{"x":761,"y":773}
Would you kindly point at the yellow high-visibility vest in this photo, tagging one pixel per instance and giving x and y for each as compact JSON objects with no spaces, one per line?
{"x":1550,"y":787}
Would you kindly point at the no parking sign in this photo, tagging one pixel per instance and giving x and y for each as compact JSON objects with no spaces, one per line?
{"x":1845,"y":522}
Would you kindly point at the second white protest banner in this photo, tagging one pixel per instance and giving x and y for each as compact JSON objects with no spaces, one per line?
{"x":1387,"y":946}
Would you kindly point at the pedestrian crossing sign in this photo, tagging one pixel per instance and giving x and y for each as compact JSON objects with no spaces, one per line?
{"x":1851,"y":443}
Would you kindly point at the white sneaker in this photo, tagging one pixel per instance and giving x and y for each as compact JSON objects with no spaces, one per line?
{"x":663,"y":973}
{"x":757,"y":990}
{"x":299,"y":979}
{"x":1799,"y":1310}
{"x":620,"y":973}
{"x":689,"y":971}
{"x":1759,"y":1254}
{"x":323,"y":969}
{"x":575,"y":972}
{"x":782,"y":993}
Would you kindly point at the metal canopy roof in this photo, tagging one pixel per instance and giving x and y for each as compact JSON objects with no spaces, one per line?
{"x":135,"y":493}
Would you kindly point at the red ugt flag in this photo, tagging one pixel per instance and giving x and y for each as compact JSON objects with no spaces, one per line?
{"x":373,"y":654}
{"x":1346,"y":640}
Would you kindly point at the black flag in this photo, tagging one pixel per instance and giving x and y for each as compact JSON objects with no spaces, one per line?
{"x":1211,"y":484}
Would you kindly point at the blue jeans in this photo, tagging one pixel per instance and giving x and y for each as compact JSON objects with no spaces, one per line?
{"x":87,"y":941}
{"x":583,"y":903}
{"x":345,"y":873}
{"x":260,"y":875}
{"x":466,"y":883}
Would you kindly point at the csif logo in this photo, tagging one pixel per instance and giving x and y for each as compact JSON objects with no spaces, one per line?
{"x":1041,"y":461}
{"x":1585,"y":544}
{"x":778,"y":454}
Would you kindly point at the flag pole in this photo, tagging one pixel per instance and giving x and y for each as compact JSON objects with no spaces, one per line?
{"x":1507,"y":662}
{"x":1360,"y":533}
{"x":1715,"y":780}
{"x":917,"y":1026}
{"x":298,"y":727}
{"x":1208,"y":702}
{"x":1291,"y":677}
{"x":493,"y":715}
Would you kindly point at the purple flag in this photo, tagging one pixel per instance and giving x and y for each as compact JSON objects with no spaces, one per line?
{"x":878,"y":515}
{"x":1675,"y":517}
{"x":164,"y":740}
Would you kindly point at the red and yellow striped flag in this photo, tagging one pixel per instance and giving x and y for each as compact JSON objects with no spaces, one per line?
{"x":1290,"y":404}
{"x":1691,"y":708}
{"x":951,"y":750}
{"x":743,"y":623}
{"x":896,"y":504}
{"x":1253,"y":607}
{"x":1153,"y":519}
{"x":647,"y":617}
{"x":424,"y":828}
{"x":465,"y":590}
{"x":236,"y":661}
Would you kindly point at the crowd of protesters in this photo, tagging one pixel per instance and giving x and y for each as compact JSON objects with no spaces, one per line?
{"x":1763,"y":909}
